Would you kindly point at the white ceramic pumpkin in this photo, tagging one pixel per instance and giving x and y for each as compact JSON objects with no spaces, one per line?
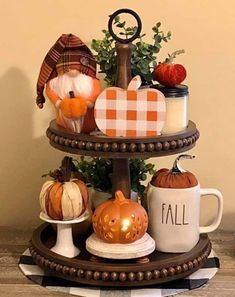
{"x":64,"y":201}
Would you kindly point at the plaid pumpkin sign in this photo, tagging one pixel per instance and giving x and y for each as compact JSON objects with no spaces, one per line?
{"x":130,"y":113}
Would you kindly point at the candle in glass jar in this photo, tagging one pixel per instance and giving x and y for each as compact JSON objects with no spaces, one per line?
{"x":176,"y":108}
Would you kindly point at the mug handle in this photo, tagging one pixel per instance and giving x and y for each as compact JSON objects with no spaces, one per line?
{"x":148,"y":191}
{"x":217,"y":220}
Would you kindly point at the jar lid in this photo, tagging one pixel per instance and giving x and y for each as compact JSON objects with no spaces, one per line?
{"x":176,"y":91}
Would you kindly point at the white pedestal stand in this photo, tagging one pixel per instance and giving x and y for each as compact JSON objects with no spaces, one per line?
{"x":140,"y":248}
{"x":64,"y":241}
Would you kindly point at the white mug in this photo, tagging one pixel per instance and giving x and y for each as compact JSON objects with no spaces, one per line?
{"x":174,"y":217}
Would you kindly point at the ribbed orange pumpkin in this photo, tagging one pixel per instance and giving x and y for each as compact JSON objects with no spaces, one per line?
{"x":176,"y":177}
{"x":120,"y":220}
{"x":64,"y":198}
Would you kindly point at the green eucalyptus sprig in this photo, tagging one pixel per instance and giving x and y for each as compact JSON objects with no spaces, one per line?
{"x":138,"y":173}
{"x":98,"y":173}
{"x":144,"y":55}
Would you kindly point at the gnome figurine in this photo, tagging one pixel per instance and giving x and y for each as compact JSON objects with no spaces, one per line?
{"x":68,"y":74}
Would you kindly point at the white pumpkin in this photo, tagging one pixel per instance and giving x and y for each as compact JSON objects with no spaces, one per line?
{"x":64,"y":200}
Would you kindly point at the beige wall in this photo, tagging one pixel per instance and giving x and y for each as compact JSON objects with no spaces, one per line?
{"x":204,"y":28}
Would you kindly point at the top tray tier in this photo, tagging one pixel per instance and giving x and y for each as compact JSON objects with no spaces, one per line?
{"x":121,"y":147}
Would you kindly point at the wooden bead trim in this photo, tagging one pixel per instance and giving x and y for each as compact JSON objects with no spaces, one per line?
{"x":118,"y":276}
{"x":95,"y":145}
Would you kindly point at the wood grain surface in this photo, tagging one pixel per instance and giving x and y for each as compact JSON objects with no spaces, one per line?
{"x":13,"y":283}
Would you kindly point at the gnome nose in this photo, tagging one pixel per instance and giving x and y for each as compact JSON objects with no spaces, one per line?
{"x":72,"y":73}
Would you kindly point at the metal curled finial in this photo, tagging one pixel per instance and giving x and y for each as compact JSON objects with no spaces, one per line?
{"x":110,"y":25}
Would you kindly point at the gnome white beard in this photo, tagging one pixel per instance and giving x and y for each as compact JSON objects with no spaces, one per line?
{"x":79,"y":83}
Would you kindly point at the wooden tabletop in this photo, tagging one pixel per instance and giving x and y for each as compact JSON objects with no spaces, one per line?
{"x":13,"y":283}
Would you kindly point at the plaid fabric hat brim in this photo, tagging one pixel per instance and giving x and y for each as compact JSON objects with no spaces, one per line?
{"x":78,"y":60}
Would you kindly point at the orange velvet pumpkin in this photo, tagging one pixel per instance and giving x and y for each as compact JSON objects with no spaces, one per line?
{"x":176,"y":177}
{"x":120,"y":220}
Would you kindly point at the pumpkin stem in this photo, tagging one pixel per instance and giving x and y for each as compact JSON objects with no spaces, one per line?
{"x":63,"y":174}
{"x":66,"y":168}
{"x":176,"y":167}
{"x":71,"y":94}
{"x":119,"y":197}
{"x":172,"y":56}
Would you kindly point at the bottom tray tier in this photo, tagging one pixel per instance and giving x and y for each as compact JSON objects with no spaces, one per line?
{"x":86,"y":269}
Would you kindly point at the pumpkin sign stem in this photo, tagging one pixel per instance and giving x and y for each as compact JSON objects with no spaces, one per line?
{"x":176,"y":167}
{"x":135,"y":83}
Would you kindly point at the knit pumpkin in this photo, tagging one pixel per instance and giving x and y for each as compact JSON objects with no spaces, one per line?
{"x":73,"y":107}
{"x":120,"y":220}
{"x":64,"y":198}
{"x":176,"y":177}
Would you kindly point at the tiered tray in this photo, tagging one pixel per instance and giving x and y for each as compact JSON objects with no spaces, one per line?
{"x":87,"y":269}
{"x":83,"y":269}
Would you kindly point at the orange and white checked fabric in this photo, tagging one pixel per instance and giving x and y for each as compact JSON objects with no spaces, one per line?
{"x":131,"y":112}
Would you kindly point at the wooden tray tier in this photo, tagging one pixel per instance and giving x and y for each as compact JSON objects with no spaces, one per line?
{"x":120,"y":147}
{"x":162,"y":267}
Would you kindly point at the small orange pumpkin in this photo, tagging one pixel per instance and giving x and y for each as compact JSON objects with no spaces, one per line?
{"x":120,"y":220}
{"x":64,"y":198}
{"x":176,"y":177}
{"x":73,"y":107}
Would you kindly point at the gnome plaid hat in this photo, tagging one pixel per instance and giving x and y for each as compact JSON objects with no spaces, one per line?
{"x":68,"y":53}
